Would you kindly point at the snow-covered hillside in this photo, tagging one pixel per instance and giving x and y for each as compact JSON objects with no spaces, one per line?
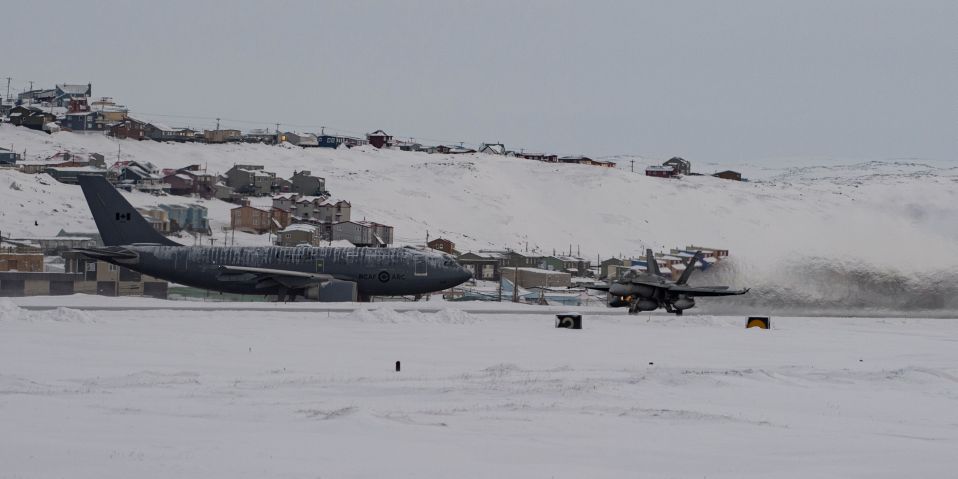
{"x":897,"y":218}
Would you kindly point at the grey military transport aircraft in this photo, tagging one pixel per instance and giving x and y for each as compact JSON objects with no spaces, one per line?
{"x":649,"y":291}
{"x":315,"y":273}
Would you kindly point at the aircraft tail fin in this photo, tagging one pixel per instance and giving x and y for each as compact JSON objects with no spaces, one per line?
{"x":650,"y":264}
{"x":688,"y":268}
{"x":116,"y":220}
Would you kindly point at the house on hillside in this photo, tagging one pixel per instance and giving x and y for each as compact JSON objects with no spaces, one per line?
{"x":304,"y":140}
{"x":444,"y":245}
{"x":65,"y":92}
{"x":255,"y":220}
{"x":660,"y":171}
{"x":260,"y":136}
{"x":729,"y":175}
{"x":222,"y":136}
{"x":191,"y":217}
{"x":31,"y":117}
{"x":362,"y":233}
{"x":139,"y":175}
{"x":379,"y":139}
{"x":8,"y":158}
{"x":297,"y":234}
{"x":131,"y":128}
{"x":323,"y":209}
{"x":83,"y":121}
{"x":68,"y":175}
{"x":333,"y":141}
{"x":548,"y":158}
{"x":250,"y":180}
{"x":304,"y":183}
{"x":492,"y":148}
{"x":41,"y":95}
{"x":180,"y":184}
{"x":680,"y":165}
{"x":157,"y":218}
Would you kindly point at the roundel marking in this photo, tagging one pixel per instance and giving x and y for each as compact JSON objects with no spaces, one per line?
{"x":383,"y":276}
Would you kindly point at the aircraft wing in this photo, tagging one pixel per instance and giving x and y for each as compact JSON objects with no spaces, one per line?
{"x":706,"y":290}
{"x":290,"y":279}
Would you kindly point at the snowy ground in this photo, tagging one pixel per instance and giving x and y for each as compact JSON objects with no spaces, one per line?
{"x":281,"y":394}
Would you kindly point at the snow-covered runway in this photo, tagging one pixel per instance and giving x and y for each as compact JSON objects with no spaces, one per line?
{"x":273,"y":394}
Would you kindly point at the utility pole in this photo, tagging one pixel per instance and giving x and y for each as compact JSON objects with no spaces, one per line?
{"x":217,"y":124}
{"x":633,"y":165}
{"x":8,"y":88}
{"x":31,"y":85}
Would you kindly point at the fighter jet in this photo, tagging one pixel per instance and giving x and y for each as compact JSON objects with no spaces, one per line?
{"x":649,"y":291}
{"x":315,"y":273}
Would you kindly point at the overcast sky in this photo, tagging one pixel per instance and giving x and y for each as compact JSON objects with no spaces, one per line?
{"x":711,"y":81}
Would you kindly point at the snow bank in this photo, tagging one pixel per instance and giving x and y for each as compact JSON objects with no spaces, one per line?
{"x":11,"y":312}
{"x":388,"y":315}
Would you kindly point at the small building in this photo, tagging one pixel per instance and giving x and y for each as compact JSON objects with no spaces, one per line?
{"x":536,"y":278}
{"x":31,"y":117}
{"x":191,"y":217}
{"x":222,"y":136}
{"x":492,"y":148}
{"x":54,"y":245}
{"x":607,"y":267}
{"x":334,"y":141}
{"x":379,"y":139}
{"x":260,"y":136}
{"x":660,"y":171}
{"x":305,"y":140}
{"x":157,"y":218}
{"x":680,"y":165}
{"x":304,"y":183}
{"x":442,"y":244}
{"x":20,"y":256}
{"x":482,"y":265}
{"x":8,"y":158}
{"x":729,"y":175}
{"x":567,"y":264}
{"x":548,"y":158}
{"x":297,"y":234}
{"x":180,"y":184}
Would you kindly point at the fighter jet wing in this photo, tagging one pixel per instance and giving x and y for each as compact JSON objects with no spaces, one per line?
{"x":705,"y":290}
{"x":290,"y":279}
{"x":598,"y":287}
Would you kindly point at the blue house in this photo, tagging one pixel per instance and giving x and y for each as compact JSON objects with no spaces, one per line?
{"x":190,"y":218}
{"x":83,"y":121}
{"x":333,"y":141}
{"x":8,"y":157}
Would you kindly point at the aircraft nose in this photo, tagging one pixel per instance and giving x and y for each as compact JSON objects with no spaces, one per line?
{"x":464,"y":275}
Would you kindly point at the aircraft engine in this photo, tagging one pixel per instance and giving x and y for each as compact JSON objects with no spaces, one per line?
{"x":331,"y":292}
{"x":683,"y":303}
{"x":311,"y":293}
{"x":619,"y":289}
{"x":618,"y":301}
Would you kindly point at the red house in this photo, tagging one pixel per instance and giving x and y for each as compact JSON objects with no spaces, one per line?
{"x":379,"y":139}
{"x":660,"y":171}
